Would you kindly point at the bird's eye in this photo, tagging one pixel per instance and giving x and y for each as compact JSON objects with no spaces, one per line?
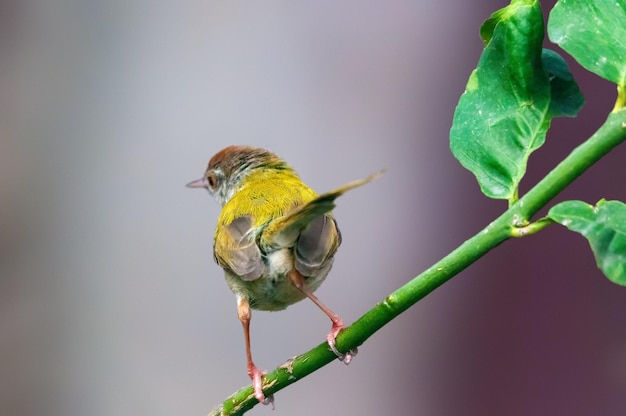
{"x":211,"y":179}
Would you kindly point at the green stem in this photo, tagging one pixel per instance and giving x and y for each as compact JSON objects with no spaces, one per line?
{"x":513,"y":199}
{"x":610,"y":134}
{"x":620,"y":103}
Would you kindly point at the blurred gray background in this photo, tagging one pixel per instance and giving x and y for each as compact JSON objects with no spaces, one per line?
{"x":110,"y":302}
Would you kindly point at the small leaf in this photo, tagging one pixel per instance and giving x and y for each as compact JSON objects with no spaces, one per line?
{"x":509,"y":101}
{"x":594,"y":33}
{"x":604,"y":226}
{"x":566,"y":98}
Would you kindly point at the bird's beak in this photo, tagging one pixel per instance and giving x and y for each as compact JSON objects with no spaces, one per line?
{"x":198,"y":183}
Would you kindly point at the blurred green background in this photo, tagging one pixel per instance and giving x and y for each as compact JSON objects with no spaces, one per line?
{"x":110,"y":302}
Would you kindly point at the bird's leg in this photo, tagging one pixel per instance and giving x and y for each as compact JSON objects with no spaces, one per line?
{"x":337,"y":324}
{"x":244,"y":313}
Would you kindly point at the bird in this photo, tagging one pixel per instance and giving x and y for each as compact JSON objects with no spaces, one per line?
{"x":275,"y":238}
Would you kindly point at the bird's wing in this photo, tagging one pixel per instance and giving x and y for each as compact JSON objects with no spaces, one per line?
{"x":316,"y":245}
{"x":235,"y":249}
{"x":310,"y":228}
{"x":284,"y":231}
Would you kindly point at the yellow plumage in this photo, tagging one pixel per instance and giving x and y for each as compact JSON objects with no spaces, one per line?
{"x":266,"y":195}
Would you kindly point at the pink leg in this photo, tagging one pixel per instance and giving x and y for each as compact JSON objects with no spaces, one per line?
{"x":337,"y":324}
{"x":255,"y":374}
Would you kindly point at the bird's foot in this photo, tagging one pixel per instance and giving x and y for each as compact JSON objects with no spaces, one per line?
{"x":330,"y":338}
{"x":256,"y":376}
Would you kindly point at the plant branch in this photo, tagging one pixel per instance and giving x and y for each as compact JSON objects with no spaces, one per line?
{"x":610,"y":134}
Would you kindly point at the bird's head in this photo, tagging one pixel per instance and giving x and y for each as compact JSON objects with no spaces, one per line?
{"x":229,"y":167}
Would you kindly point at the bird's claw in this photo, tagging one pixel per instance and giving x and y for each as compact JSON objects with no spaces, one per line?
{"x":269,"y":400}
{"x":330,"y":338}
{"x":257,"y":383}
{"x":345,"y":358}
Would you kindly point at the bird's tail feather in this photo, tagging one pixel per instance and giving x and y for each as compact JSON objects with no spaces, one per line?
{"x":284,"y":230}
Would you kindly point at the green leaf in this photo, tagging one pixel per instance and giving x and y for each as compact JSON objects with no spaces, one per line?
{"x":594,"y":33}
{"x":509,"y":101}
{"x":566,"y":98}
{"x":604,"y":226}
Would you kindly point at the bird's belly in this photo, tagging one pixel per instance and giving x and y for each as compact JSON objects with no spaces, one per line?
{"x":279,"y":262}
{"x":274,"y":291}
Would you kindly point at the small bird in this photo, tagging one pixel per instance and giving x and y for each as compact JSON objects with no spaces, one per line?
{"x":275,"y":237}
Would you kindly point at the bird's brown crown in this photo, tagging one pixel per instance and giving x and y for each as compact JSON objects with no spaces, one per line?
{"x":236,"y":159}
